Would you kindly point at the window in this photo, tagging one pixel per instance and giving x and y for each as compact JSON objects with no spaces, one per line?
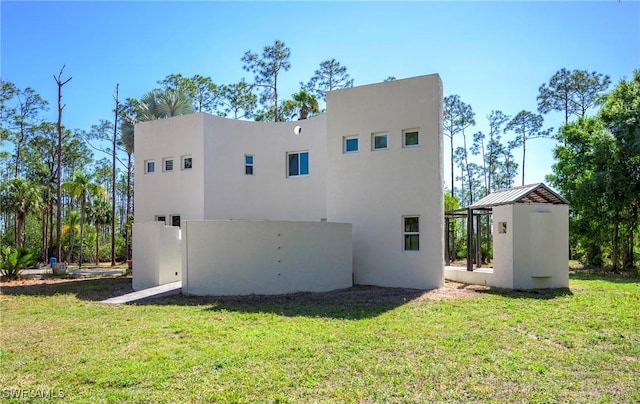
{"x":162,"y":219}
{"x":187,"y":162}
{"x":175,"y":220}
{"x":350,"y":144}
{"x":167,"y":164}
{"x":411,"y":233}
{"x":379,"y":140}
{"x":149,"y":166}
{"x":502,"y":227}
{"x":248,"y":164}
{"x":410,"y":138}
{"x":298,"y":164}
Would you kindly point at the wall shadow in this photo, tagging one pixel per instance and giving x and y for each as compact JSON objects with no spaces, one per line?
{"x":85,"y":288}
{"x":537,"y":294}
{"x":358,"y":302}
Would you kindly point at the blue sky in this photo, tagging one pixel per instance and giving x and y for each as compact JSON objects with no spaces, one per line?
{"x":495,"y":55}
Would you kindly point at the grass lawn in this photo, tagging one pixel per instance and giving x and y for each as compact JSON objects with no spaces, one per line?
{"x":460,"y":344}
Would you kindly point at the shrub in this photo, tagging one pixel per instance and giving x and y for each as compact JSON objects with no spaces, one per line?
{"x":13,"y":261}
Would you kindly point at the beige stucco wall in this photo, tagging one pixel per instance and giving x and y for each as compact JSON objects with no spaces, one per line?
{"x":239,"y":257}
{"x":373,"y":190}
{"x":157,"y":256}
{"x":178,"y":192}
{"x":268,"y":194}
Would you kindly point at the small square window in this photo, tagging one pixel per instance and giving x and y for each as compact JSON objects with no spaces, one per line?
{"x":248,"y":164}
{"x":175,"y":220}
{"x":298,"y":164}
{"x":350,"y":144}
{"x":167,"y":164}
{"x":411,"y":138}
{"x":379,"y":141}
{"x":162,"y":219}
{"x":187,"y":162}
{"x":502,"y":227}
{"x":411,"y":233}
{"x":149,"y":166}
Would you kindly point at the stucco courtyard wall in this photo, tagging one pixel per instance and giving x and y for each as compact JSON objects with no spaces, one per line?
{"x":240,"y":257}
{"x":157,"y":256}
{"x":529,"y":252}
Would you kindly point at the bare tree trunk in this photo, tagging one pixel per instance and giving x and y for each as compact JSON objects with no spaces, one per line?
{"x":60,"y":83}
{"x":113,"y":183}
{"x":615,"y":248}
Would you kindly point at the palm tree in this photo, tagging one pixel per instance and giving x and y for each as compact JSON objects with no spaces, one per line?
{"x":303,"y":105}
{"x":165,"y":103}
{"x":100,"y":215}
{"x":72,"y":226}
{"x":79,"y":186}
{"x":21,"y":197}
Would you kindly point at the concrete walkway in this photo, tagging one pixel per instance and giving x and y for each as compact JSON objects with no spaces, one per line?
{"x":80,"y":272}
{"x":169,"y":289}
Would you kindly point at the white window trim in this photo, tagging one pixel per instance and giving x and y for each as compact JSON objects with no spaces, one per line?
{"x":146,"y":166}
{"x":182,"y":161}
{"x":164,"y":164}
{"x":287,"y":164}
{"x":374,"y":135}
{"x":171,"y":220}
{"x":410,"y":233}
{"x":344,"y":144}
{"x":404,"y":138}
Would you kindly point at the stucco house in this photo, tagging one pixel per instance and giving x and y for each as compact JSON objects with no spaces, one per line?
{"x":350,"y":196}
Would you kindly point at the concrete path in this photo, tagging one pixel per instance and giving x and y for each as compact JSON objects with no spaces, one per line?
{"x":169,"y":289}
{"x":81,"y":272}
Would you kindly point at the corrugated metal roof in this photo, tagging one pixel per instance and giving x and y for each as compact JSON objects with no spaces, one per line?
{"x":534,"y":193}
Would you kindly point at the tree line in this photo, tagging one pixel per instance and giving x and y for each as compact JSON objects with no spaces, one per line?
{"x":68,"y":192}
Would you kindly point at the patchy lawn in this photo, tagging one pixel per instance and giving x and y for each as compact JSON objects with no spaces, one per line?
{"x":459,"y":343}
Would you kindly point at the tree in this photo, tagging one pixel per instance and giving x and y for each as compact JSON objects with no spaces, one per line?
{"x":238,"y":100}
{"x":391,"y":78}
{"x":80,"y":187}
{"x":21,"y":197}
{"x":331,"y":75}
{"x":165,"y":103}
{"x":494,"y":147}
{"x":99,"y":213}
{"x":71,"y":227}
{"x":60,"y":84}
{"x":571,"y":92}
{"x":302,"y":106}
{"x":202,"y":90}
{"x":526,"y":126}
{"x":267,"y":69}
{"x":457,"y":117}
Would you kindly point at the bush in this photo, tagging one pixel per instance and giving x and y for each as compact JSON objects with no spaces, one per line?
{"x":13,"y":261}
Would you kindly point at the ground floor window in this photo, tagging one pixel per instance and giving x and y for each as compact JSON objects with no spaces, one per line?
{"x":411,"y":233}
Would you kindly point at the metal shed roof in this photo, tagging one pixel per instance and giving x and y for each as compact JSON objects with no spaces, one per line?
{"x":534,"y":193}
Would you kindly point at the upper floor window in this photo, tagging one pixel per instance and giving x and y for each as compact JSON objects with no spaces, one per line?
{"x":167,"y":164}
{"x":187,"y":162}
{"x":410,"y":138}
{"x":149,"y":166}
{"x":248,"y":164}
{"x":379,"y":141}
{"x":351,"y":144}
{"x":298,"y":163}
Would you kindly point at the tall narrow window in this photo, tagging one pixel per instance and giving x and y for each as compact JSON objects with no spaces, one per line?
{"x":410,"y":138}
{"x":149,"y":166}
{"x":350,"y":144}
{"x":411,"y":233}
{"x":167,"y":164}
{"x":175,"y":220}
{"x":298,"y":164}
{"x":379,"y":141}
{"x":248,"y":164}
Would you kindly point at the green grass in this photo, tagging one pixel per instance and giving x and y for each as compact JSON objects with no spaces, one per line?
{"x":363,"y":345}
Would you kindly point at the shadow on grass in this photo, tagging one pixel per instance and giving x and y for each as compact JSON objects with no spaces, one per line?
{"x":538,"y":294}
{"x":90,"y":289}
{"x":604,"y":275}
{"x":358,"y":302}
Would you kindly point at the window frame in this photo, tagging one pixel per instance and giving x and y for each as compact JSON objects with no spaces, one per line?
{"x":146,"y":166}
{"x":345,"y":141}
{"x":163,"y":217}
{"x":172,"y":218}
{"x":299,"y":163}
{"x":249,"y":165}
{"x":183,"y":162}
{"x":164,"y":164}
{"x":375,"y":135}
{"x":405,"y":132}
{"x":406,"y":233}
